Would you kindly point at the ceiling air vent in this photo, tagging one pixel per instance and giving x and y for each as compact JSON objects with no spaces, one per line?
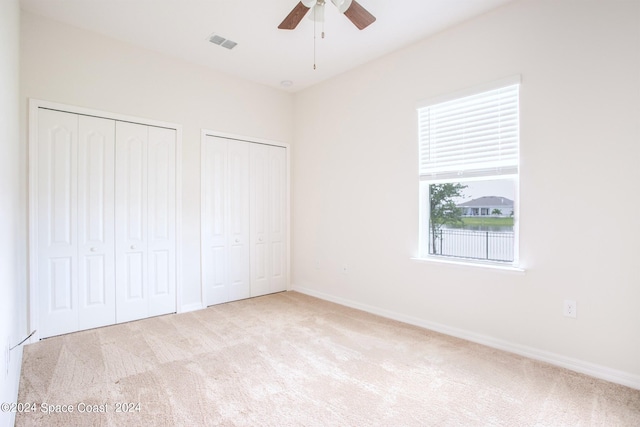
{"x":221,"y":41}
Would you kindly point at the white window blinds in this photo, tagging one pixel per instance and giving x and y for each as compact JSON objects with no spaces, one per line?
{"x":474,"y":135}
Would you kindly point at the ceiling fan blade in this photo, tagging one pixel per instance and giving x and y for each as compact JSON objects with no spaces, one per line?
{"x":360,"y":17}
{"x":294,"y":17}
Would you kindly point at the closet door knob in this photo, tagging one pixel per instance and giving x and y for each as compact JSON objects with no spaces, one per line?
{"x":237,"y":240}
{"x":259,"y":239}
{"x":133,"y":246}
{"x":92,"y":249}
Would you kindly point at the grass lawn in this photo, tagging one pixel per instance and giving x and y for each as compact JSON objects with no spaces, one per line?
{"x":496,"y":222}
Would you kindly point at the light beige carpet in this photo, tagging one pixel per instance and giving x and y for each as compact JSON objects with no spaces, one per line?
{"x":289,"y":359}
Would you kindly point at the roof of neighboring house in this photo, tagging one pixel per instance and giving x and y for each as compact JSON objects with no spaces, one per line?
{"x":486,"y":201}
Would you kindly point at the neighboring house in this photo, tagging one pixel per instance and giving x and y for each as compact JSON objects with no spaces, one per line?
{"x":487,"y":206}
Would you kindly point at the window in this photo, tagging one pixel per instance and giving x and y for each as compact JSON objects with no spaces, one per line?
{"x":469,"y":158}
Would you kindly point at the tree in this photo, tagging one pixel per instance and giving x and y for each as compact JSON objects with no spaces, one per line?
{"x":496,"y":212}
{"x":443,"y":208}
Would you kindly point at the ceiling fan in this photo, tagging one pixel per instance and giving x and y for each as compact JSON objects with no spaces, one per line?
{"x":357,"y":14}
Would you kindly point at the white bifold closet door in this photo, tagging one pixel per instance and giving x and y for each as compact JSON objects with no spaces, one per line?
{"x":105,"y":220}
{"x":268,"y":219}
{"x":226,"y":226}
{"x":243,"y":219}
{"x":145,"y":221}
{"x":75,"y":258}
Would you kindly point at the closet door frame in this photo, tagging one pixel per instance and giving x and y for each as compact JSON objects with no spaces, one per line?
{"x":34,"y":107}
{"x":203,"y":140}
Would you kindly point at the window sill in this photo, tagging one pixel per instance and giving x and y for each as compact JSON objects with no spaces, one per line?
{"x":473,"y":264}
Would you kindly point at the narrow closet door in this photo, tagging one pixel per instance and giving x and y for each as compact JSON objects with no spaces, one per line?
{"x":161,"y":220}
{"x":214,"y":217}
{"x":225,"y":223}
{"x":57,"y":253}
{"x":259,"y":219}
{"x":268,"y":219}
{"x":277,"y":227}
{"x":96,"y":241}
{"x":131,"y":219}
{"x":238,"y":224}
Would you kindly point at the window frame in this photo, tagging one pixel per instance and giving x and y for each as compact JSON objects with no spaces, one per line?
{"x":510,"y":173}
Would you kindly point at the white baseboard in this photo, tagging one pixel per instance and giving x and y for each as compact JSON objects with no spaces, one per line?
{"x":577,"y":365}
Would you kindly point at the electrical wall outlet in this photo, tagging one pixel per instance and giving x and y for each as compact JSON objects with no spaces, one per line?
{"x":570,"y":308}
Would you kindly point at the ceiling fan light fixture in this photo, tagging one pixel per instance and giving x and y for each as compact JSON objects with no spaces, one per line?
{"x":317,"y":13}
{"x":342,"y":5}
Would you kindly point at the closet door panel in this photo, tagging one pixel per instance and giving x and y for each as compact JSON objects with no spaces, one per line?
{"x":131,"y":220}
{"x":277,"y":219}
{"x":238,"y":225}
{"x":161,"y":218}
{"x":57,"y":222}
{"x":259,"y":219}
{"x":96,"y":241}
{"x":226,"y":273}
{"x":214,"y":224}
{"x":268,"y":219}
{"x":61,"y":299}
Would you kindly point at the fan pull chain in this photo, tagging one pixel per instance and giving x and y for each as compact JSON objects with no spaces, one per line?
{"x":315,"y":32}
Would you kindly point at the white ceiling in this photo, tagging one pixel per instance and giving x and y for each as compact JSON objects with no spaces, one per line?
{"x":264,"y":54}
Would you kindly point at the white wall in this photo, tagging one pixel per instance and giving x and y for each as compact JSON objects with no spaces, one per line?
{"x":355,"y":169}
{"x":12,"y":209}
{"x":72,"y":66}
{"x":355,"y":185}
